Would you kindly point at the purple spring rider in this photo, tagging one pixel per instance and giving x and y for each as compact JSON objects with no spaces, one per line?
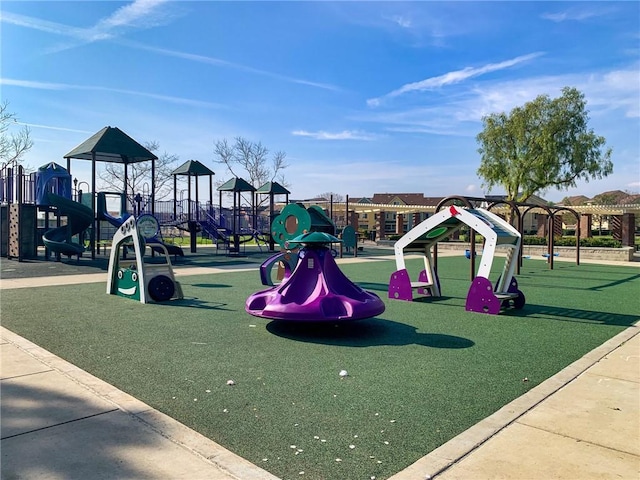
{"x":316,"y":291}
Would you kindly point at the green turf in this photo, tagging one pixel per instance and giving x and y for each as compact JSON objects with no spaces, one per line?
{"x":419,"y":374}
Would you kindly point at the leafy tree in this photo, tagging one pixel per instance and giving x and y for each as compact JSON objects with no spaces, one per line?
{"x":251,"y":158}
{"x":544,"y":144}
{"x":139,"y":175}
{"x":13,"y":146}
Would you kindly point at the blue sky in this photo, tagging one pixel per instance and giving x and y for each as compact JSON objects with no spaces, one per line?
{"x":364,"y":97}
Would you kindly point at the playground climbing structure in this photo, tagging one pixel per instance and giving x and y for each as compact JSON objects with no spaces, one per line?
{"x":483,"y":297}
{"x":136,"y":279}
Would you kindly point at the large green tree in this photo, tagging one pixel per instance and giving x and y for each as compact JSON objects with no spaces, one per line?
{"x":544,"y":144}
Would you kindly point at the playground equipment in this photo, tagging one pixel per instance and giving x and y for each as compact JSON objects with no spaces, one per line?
{"x":225,"y":236}
{"x":293,"y":221}
{"x":482,"y":296}
{"x":148,"y":224}
{"x":136,"y":279}
{"x":349,"y":239}
{"x":286,"y":262}
{"x":79,"y":218}
{"x":18,"y":221}
{"x":317,"y":290}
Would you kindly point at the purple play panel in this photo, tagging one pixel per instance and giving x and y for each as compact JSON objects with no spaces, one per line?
{"x":482,"y":299}
{"x":317,"y":290}
{"x":288,"y":261}
{"x":400,"y":285}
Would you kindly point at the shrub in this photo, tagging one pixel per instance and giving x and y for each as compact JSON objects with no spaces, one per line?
{"x":467,"y":238}
{"x":600,"y":242}
{"x":595,"y":242}
{"x":534,"y":240}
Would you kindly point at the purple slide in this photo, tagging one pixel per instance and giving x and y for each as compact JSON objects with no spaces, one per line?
{"x":317,"y":290}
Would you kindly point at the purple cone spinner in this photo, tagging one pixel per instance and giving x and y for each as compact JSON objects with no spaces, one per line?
{"x":317,"y":290}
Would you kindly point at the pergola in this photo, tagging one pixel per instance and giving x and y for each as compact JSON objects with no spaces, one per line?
{"x":111,"y":145}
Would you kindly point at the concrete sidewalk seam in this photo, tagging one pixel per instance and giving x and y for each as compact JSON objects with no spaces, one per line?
{"x":59,"y":424}
{"x":24,"y":375}
{"x":569,"y":437}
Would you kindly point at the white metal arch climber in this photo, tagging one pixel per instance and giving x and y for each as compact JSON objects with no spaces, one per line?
{"x":482,"y":297}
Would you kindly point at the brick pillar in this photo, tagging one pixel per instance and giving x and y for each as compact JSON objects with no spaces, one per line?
{"x":380,"y":219}
{"x":354,"y":221}
{"x":542,"y":225}
{"x":616,"y":227}
{"x":399,"y":224}
{"x":557,"y":226}
{"x":585,"y":225}
{"x":628,"y":229}
{"x":416,"y":218}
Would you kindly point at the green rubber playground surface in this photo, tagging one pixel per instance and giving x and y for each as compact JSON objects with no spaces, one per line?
{"x":418,"y":375}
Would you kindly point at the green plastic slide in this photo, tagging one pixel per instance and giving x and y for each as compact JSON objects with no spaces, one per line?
{"x":79,"y":218}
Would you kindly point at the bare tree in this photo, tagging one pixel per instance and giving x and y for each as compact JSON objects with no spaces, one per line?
{"x":251,"y":158}
{"x":139,"y":175}
{"x":337,"y":197}
{"x":12,"y":145}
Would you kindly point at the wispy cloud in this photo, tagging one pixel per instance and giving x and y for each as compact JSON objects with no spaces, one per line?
{"x":140,"y":14}
{"x":51,"y":127}
{"x":65,"y":86}
{"x":573,"y":14}
{"x":226,"y":64}
{"x":344,"y":135}
{"x":460,"y":115}
{"x":402,"y":21}
{"x":453,"y":77}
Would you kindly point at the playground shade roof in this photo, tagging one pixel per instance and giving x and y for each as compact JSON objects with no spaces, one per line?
{"x":111,"y":145}
{"x":273,"y":188}
{"x":192,"y":167}
{"x":236,"y":184}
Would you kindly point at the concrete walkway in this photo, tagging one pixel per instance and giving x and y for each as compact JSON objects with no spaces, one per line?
{"x":59,"y":422}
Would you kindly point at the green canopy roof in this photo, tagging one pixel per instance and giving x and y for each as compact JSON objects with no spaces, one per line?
{"x":192,"y":167}
{"x":274,"y":188}
{"x":236,"y":185}
{"x":111,"y":145}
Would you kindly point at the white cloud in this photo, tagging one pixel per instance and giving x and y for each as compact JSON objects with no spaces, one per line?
{"x":33,"y":84}
{"x":223,"y":63}
{"x":570,"y":15}
{"x":51,"y":127}
{"x":453,"y":77}
{"x":66,"y":86}
{"x":460,"y":115}
{"x":140,"y":14}
{"x":402,"y":21}
{"x":344,"y":135}
{"x":137,"y":13}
